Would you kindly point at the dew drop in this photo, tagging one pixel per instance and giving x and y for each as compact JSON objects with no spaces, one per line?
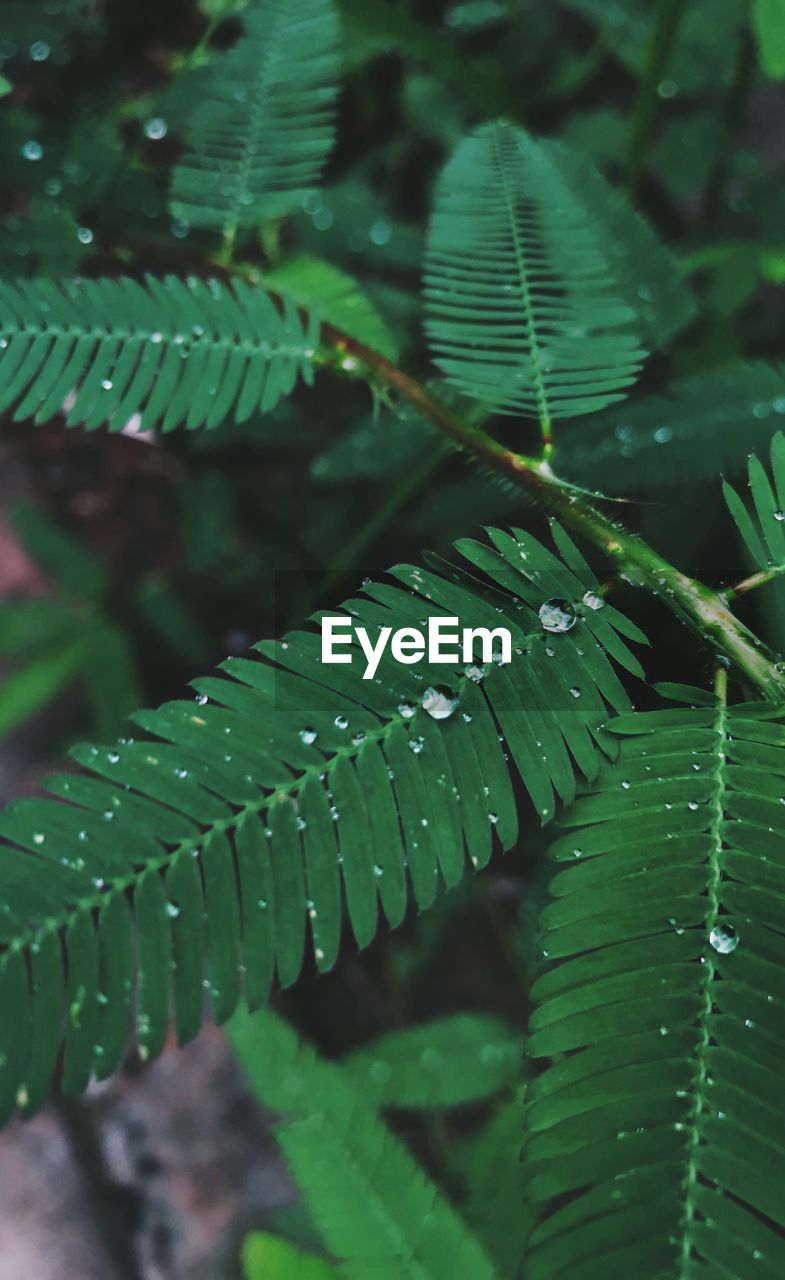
{"x":308,"y":736}
{"x":592,"y":601}
{"x":438,"y":703}
{"x":557,"y":615}
{"x":406,"y":710}
{"x":416,"y":745}
{"x":724,"y":938}
{"x":84,"y":235}
{"x":32,"y":150}
{"x":341,"y":722}
{"x":475,"y":674}
{"x":201,"y":699}
{"x":156,"y":128}
{"x":779,"y":515}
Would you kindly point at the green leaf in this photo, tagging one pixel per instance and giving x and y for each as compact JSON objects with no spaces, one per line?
{"x":768,"y":23}
{"x":30,"y":688}
{"x":75,"y":568}
{"x":495,"y":1206}
{"x":336,"y":296}
{"x":447,"y":1062}
{"x":237,"y":827}
{"x":764,"y":532}
{"x":257,"y":142}
{"x":375,"y":1208}
{"x":653,"y":1136}
{"x":5,"y":86}
{"x":173,"y":352}
{"x":267,"y":1257}
{"x":522,"y":310}
{"x":704,"y":425}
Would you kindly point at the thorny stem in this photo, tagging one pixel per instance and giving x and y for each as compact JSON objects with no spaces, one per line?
{"x":703,"y":609}
{"x":665,"y":28}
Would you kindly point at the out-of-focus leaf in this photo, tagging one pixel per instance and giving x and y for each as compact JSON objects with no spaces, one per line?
{"x":336,"y":296}
{"x":267,"y":1257}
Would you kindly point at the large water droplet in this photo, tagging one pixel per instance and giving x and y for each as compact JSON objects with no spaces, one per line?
{"x":439,"y":703}
{"x":724,"y":938}
{"x":592,"y":601}
{"x":557,"y":615}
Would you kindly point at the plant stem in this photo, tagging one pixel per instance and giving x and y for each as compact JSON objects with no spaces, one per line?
{"x":663,"y":35}
{"x":754,"y":581}
{"x":703,"y":609}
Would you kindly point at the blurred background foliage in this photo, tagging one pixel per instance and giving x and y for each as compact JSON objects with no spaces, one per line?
{"x":133,"y":561}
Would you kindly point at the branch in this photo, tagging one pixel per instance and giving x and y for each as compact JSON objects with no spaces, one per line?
{"x":703,"y":609}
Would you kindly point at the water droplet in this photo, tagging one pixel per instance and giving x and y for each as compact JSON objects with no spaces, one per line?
{"x":84,"y":235}
{"x":156,"y":128}
{"x":32,"y":150}
{"x":416,"y":745}
{"x":663,"y":435}
{"x":341,"y":722}
{"x":724,"y":938}
{"x":201,"y":699}
{"x":575,"y":692}
{"x":308,"y":736}
{"x":779,"y":515}
{"x":39,"y":52}
{"x":156,"y":337}
{"x":593,"y":601}
{"x":438,"y":703}
{"x":172,"y":910}
{"x":625,"y":785}
{"x":475,"y":674}
{"x":39,"y":837}
{"x":557,"y":615}
{"x":107,"y":384}
{"x":406,"y":710}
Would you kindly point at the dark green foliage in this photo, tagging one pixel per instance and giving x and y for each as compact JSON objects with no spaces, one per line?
{"x":258,"y":139}
{"x":377,"y":1211}
{"x":764,"y":538}
{"x":522,"y":314}
{"x":242,"y":823}
{"x":706,"y":425}
{"x":653,"y":1137}
{"x":172,"y":351}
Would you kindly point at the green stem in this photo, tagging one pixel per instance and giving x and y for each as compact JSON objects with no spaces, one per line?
{"x":663,"y":36}
{"x":703,"y":609}
{"x":754,"y":581}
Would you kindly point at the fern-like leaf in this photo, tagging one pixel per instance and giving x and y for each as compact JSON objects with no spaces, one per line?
{"x":654,"y":1138}
{"x":213,"y":845}
{"x":763,"y":533}
{"x":258,"y":141}
{"x":375,"y":1208}
{"x":173,"y":351}
{"x":447,"y":1062}
{"x":522,"y":313}
{"x":705,"y":424}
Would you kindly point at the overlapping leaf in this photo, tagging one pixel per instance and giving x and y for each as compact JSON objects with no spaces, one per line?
{"x":292,"y":792}
{"x":258,"y":140}
{"x":522,"y":312}
{"x":376,"y":1210}
{"x":654,"y":1138}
